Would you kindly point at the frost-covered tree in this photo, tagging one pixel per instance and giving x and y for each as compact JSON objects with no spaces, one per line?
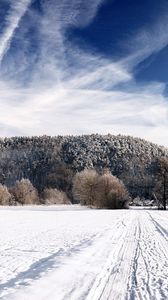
{"x":60,"y":177}
{"x":100,"y":190}
{"x":24,"y":192}
{"x":110,"y":192}
{"x":54,"y":196}
{"x":84,"y":186}
{"x":5,"y":196}
{"x":53,"y":161}
{"x":161,"y":188}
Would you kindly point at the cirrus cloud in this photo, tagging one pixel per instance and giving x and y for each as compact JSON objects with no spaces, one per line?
{"x":59,"y":88}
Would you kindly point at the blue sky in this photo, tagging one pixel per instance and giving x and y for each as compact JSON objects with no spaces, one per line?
{"x":80,"y":67}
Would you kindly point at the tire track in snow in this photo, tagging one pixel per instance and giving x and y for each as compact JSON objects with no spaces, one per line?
{"x":127,"y":260}
{"x":146,"y":251}
{"x":102,"y":247}
{"x":52,"y":262}
{"x":159,"y":228}
{"x":45,"y":264}
{"x":134,"y":291}
{"x":111,"y":283}
{"x":82,"y":265}
{"x":148,"y":278}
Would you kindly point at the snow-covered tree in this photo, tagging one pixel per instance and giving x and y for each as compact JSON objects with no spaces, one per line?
{"x":53,"y":161}
{"x":161,"y":188}
{"x":110,"y":192}
{"x":100,"y":190}
{"x":84,"y":186}
{"x":24,"y":192}
{"x":5,"y":196}
{"x":54,"y":196}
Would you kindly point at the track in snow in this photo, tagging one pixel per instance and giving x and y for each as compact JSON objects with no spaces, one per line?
{"x":70,"y":253}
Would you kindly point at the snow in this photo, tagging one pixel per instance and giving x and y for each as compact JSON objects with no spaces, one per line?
{"x":75,"y":253}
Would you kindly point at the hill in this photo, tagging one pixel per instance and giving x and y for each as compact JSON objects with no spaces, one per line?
{"x":53,"y":161}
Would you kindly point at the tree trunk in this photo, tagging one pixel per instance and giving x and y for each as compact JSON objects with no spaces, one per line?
{"x":164,"y":192}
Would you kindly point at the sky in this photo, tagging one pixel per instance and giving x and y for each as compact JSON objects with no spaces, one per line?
{"x":82,"y":67}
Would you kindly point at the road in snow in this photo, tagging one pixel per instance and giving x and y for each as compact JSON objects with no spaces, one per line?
{"x":72,"y":253}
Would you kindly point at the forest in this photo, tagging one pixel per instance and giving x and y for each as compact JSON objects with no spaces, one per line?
{"x":52,"y":162}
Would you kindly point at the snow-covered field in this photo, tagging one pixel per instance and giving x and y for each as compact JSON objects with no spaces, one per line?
{"x":72,"y":253}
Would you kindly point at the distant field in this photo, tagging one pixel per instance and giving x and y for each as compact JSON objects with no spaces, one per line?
{"x":74,"y":253}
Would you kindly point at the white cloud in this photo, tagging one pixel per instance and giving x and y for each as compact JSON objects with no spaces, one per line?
{"x":17,"y":11}
{"x":147,"y":41}
{"x":98,"y":73}
{"x":72,"y":111}
{"x":72,"y":13}
{"x":72,"y":91}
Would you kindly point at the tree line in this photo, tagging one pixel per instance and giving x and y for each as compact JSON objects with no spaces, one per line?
{"x":51,"y":163}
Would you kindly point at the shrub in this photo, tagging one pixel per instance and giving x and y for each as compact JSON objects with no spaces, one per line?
{"x":111,"y":192}
{"x":84,"y":186}
{"x":101,"y":191}
{"x":25,"y":193}
{"x":5,"y":196}
{"x":55,"y":196}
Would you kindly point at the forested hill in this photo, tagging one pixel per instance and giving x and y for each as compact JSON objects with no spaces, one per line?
{"x":53,"y":161}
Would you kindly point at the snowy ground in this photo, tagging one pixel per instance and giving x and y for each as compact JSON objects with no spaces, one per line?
{"x":72,"y":253}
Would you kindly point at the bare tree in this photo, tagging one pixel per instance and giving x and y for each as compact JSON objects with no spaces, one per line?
{"x":161,"y":188}
{"x":24,"y":192}
{"x":84,"y":186}
{"x":5,"y":196}
{"x":55,"y":196}
{"x":100,"y":190}
{"x":111,"y":192}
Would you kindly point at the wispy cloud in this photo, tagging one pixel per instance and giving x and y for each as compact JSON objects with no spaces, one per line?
{"x":69,"y":111}
{"x":72,"y":91}
{"x":17,"y":10}
{"x":147,"y":41}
